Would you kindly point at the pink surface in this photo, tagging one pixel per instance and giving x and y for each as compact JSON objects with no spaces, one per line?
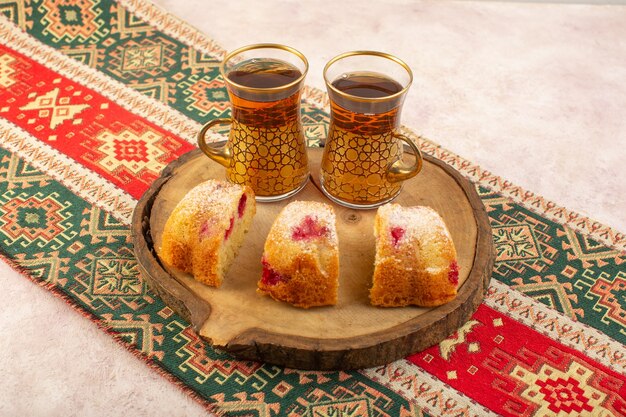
{"x":535,"y":93}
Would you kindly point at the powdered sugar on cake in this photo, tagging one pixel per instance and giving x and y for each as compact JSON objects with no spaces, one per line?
{"x":307,"y":221}
{"x":214,"y":196}
{"x":208,"y":195}
{"x":406,"y":224}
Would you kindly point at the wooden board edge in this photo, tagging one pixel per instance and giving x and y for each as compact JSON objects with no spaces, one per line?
{"x":294,"y":352}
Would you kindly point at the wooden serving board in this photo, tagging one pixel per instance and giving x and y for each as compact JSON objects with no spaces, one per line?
{"x":352,"y":334}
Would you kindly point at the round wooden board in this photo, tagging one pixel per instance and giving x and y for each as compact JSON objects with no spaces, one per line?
{"x":352,"y":334}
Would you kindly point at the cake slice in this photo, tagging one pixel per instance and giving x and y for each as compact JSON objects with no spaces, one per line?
{"x":416,"y":261}
{"x":204,"y":232}
{"x":301,"y":256}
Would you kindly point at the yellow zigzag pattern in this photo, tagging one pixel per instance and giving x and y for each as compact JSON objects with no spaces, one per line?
{"x":448,"y":346}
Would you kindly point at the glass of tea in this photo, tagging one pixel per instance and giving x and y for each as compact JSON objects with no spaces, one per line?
{"x":362,"y":165}
{"x":266,"y":147}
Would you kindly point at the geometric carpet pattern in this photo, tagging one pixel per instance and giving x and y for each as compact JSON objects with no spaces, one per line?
{"x":103,"y":94}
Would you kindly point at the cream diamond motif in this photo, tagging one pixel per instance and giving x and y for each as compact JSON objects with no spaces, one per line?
{"x":50,"y":104}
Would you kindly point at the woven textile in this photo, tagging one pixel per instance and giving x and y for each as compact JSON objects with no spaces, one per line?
{"x":97,"y":97}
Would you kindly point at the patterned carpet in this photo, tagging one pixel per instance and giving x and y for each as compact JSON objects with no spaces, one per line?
{"x":97,"y":97}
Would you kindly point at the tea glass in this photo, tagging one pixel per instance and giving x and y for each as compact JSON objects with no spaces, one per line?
{"x":362,"y":164}
{"x":266,"y":147}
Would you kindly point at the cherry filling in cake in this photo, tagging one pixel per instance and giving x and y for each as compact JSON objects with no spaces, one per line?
{"x":453,"y":273}
{"x":230,"y":228}
{"x":396,"y":235}
{"x":309,"y":228}
{"x":271,"y":277}
{"x":205,"y":229}
{"x":241,"y":207}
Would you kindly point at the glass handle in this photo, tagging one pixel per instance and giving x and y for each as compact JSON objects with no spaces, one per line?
{"x":221,"y":155}
{"x":400,"y":172}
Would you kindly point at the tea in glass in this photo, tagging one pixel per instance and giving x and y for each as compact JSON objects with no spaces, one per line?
{"x":362,"y":164}
{"x":266,"y":148}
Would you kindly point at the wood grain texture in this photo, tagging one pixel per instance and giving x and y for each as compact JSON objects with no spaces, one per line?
{"x":352,"y":334}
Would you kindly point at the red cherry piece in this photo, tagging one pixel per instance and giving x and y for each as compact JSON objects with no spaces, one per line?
{"x":396,"y":234}
{"x":309,"y":229}
{"x":205,"y":229}
{"x":453,"y":273}
{"x":242,"y":205}
{"x":271,"y":277}
{"x":230,"y":228}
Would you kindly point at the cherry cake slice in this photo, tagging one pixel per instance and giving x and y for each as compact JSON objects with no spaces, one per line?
{"x":301,"y":256}
{"x":416,"y":261}
{"x":204,"y":232}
